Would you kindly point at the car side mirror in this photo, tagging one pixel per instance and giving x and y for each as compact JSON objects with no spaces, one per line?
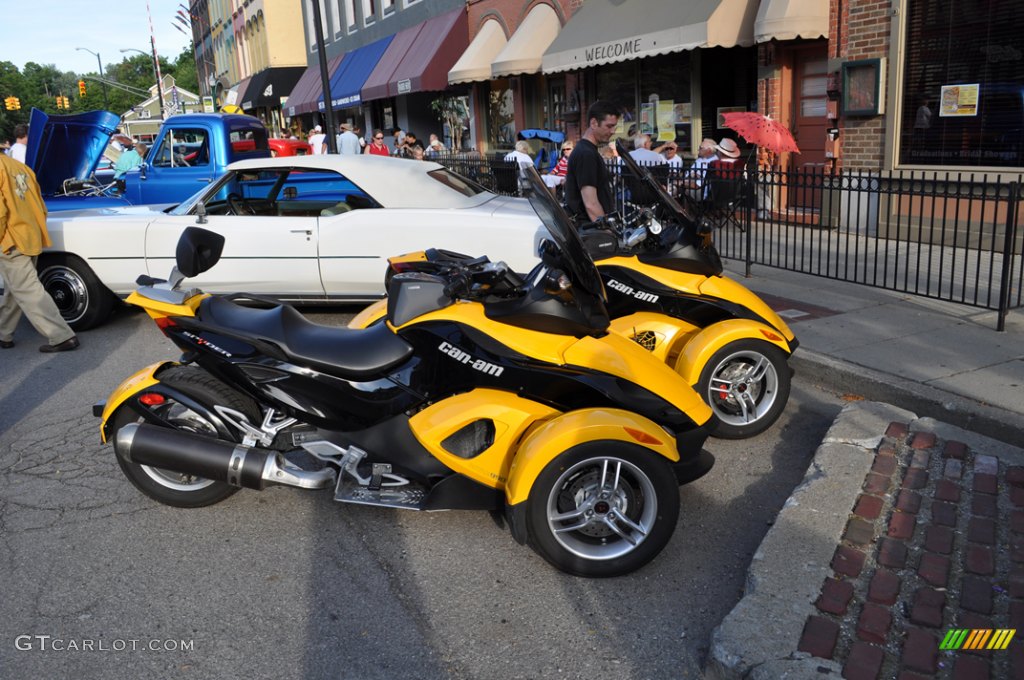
{"x":198,"y":250}
{"x":142,"y":170}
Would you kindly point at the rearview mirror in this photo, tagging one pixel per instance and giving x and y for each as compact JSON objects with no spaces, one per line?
{"x":142,"y":170}
{"x":198,"y":250}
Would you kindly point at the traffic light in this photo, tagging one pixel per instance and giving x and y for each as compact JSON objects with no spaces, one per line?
{"x":66,"y":104}
{"x":12,"y":103}
{"x":81,"y":88}
{"x":60,"y":102}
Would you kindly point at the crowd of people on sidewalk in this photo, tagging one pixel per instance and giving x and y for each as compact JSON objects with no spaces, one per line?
{"x":350,"y":141}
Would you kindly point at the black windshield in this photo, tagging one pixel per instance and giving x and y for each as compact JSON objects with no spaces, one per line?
{"x":558,"y":224}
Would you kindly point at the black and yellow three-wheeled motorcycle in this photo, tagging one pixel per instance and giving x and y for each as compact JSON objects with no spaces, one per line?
{"x":483,"y":390}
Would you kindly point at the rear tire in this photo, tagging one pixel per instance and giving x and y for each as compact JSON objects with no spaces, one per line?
{"x":174,"y":488}
{"x":602,"y":509}
{"x":81,"y":299}
{"x":746,"y":383}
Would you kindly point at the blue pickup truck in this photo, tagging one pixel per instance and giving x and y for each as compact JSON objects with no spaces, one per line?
{"x":189,"y":152}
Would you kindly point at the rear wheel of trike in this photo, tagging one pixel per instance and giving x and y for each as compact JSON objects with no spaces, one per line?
{"x":603,"y":508}
{"x":175,"y":488}
{"x":746,"y":384}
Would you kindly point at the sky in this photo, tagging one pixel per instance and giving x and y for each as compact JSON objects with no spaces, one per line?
{"x":48,"y":31}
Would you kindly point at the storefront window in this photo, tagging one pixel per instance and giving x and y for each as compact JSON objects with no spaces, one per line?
{"x":963,"y":84}
{"x":654,"y":94}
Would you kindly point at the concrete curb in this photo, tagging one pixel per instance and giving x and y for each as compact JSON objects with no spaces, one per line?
{"x":757,"y":638}
{"x":963,"y":412}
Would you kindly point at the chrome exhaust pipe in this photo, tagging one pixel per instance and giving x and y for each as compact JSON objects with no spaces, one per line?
{"x":249,"y":467}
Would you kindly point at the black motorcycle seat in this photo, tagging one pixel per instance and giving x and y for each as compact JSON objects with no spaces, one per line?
{"x":346,"y":352}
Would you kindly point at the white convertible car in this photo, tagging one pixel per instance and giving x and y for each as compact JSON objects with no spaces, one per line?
{"x":310,"y":229}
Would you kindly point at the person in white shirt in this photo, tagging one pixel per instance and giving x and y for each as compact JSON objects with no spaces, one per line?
{"x":693,"y":180}
{"x":20,"y":146}
{"x":670,"y":150}
{"x":348,"y":141}
{"x":318,"y":141}
{"x":642,"y":153}
{"x":521,"y":154}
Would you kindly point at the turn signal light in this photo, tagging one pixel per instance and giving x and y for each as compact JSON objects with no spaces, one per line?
{"x":771,"y":336}
{"x":152,"y":399}
{"x":642,"y":437}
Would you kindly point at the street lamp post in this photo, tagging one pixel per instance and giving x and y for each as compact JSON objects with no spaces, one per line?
{"x":99,"y":62}
{"x":156,"y":74}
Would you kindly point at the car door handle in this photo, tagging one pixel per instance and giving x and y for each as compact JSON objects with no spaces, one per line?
{"x":205,"y":180}
{"x":307,"y":232}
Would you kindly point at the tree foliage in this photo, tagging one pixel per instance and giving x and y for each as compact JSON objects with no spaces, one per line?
{"x":39,"y":86}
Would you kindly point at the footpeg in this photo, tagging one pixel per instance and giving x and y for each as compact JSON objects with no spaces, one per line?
{"x":407,"y":497}
{"x":379,"y":470}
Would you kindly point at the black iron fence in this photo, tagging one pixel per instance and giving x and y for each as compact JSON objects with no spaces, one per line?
{"x":949,"y":236}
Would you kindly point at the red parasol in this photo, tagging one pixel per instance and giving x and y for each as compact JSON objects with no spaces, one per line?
{"x":763,"y":131}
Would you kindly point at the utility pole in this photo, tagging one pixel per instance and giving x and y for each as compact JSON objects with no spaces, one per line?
{"x":325,"y":78}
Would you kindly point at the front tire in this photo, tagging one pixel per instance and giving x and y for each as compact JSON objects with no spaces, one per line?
{"x":602,"y":509}
{"x":746,"y":383}
{"x":81,"y":299}
{"x":174,"y":488}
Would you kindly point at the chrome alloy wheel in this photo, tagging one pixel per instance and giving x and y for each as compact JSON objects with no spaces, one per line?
{"x":743,"y":388}
{"x":602,"y":508}
{"x":184,"y":419}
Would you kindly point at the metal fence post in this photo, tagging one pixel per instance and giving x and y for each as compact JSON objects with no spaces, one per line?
{"x":1009,"y":241}
{"x":748,"y":230}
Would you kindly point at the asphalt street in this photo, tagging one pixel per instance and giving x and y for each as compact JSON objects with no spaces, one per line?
{"x":287,"y":584}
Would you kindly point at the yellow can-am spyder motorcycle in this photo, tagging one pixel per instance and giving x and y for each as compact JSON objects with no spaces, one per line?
{"x":666,"y":291}
{"x":482,"y":390}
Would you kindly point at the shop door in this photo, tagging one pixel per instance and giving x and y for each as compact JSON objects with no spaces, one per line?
{"x":809,"y":126}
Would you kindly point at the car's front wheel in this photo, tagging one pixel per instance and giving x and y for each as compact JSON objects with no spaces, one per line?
{"x":83,"y":301}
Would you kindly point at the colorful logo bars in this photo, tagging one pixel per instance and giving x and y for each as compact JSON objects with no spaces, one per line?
{"x":978,"y":638}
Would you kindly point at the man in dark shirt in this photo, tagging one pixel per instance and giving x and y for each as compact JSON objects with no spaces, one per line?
{"x":588,"y":191}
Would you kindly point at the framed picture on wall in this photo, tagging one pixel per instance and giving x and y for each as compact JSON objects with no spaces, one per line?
{"x":863,"y":85}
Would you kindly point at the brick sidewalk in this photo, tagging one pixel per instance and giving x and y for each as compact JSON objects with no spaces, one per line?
{"x":935,"y":541}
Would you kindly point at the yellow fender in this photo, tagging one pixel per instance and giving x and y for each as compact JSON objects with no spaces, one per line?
{"x":510,"y":415}
{"x":133,"y":384}
{"x":378,"y":310}
{"x":560,"y":434}
{"x":698,"y":351}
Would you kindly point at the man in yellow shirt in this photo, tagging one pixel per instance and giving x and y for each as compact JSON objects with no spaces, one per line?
{"x":23,"y":236}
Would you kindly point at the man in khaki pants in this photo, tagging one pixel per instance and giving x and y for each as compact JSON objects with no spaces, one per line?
{"x":22,"y":237}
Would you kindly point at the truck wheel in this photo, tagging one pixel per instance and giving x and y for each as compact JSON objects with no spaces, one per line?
{"x":82,"y":300}
{"x":175,"y":488}
{"x":746,"y":384}
{"x":602,"y":509}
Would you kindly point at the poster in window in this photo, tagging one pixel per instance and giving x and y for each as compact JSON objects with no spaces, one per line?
{"x":646,"y":119}
{"x":862,"y":87}
{"x":959,"y":100}
{"x":666,"y":112}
